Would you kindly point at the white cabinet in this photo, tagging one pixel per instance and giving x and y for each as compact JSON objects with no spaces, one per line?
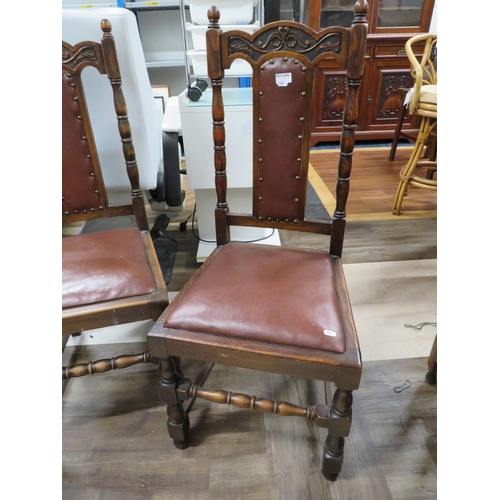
{"x":197,"y":130}
{"x":162,"y":36}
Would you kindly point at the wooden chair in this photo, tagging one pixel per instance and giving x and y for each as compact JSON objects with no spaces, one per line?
{"x":422,"y":102}
{"x":109,"y":277}
{"x":262,"y":307}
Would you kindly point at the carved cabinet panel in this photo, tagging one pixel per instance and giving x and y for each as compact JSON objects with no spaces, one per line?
{"x":386,"y":70}
{"x":390,"y":24}
{"x":382,"y":101}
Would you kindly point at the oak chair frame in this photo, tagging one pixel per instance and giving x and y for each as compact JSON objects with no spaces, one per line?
{"x":291,"y":43}
{"x":78,"y":318}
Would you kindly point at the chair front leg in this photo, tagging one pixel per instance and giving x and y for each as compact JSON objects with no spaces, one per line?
{"x":173,"y":390}
{"x":339,"y":426}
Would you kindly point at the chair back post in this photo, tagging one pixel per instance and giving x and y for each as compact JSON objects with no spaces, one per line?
{"x":114,"y":76}
{"x":216,"y":75}
{"x":357,"y":47}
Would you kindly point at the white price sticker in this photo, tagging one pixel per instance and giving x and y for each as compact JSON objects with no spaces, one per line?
{"x":283,"y":79}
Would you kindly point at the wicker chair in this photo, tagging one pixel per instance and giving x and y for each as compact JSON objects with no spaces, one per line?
{"x":422,"y":101}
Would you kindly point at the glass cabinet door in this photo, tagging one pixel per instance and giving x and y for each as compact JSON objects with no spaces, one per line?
{"x":384,"y":16}
{"x":336,"y":13}
{"x":399,"y":13}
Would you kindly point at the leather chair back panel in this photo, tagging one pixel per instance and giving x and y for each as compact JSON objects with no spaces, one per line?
{"x":280,"y":117}
{"x":80,"y":185}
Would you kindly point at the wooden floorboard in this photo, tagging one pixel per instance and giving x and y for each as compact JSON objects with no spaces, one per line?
{"x":374,"y":180}
{"x":115,"y":443}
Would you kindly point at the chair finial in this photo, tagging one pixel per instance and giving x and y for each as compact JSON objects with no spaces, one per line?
{"x":106,"y":26}
{"x":361,"y":7}
{"x":213,"y":15}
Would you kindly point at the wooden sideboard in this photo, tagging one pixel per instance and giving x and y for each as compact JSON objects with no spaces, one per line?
{"x":386,"y":68}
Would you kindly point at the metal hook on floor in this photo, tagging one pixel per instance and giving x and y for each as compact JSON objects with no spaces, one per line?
{"x":420,"y":325}
{"x":403,"y":387}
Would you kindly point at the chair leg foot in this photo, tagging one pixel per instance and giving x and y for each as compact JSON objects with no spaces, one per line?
{"x":172,"y":390}
{"x":332,"y":461}
{"x":339,"y":426}
{"x":431,"y":375}
{"x":398,"y":199}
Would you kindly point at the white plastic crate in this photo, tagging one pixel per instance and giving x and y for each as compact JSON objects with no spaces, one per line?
{"x":199,"y":61}
{"x":231,"y":11}
{"x":198,"y":32}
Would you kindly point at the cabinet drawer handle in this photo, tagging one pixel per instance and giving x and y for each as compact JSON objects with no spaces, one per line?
{"x":370,"y":100}
{"x":401,"y":52}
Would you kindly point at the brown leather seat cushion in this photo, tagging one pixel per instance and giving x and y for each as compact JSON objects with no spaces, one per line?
{"x":103,"y":266}
{"x":265,"y":293}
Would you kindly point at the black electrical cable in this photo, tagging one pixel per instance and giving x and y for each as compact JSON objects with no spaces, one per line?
{"x":215,"y":242}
